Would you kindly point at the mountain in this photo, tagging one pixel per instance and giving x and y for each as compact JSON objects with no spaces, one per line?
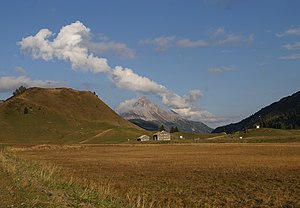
{"x":148,"y":115}
{"x":280,"y":115}
{"x":62,"y":115}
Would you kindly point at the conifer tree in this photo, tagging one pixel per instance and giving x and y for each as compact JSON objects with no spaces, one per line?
{"x":162,"y":128}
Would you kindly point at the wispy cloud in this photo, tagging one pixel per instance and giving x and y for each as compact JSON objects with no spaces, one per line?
{"x":218,"y":37}
{"x":221,"y":2}
{"x":219,"y":32}
{"x":295,"y":46}
{"x":250,"y":38}
{"x":120,"y":49}
{"x":290,"y":57}
{"x":187,"y":43}
{"x":291,"y":31}
{"x":160,"y":43}
{"x":20,"y":70}
{"x":221,"y":37}
{"x":10,"y":83}
{"x":230,"y":39}
{"x":221,"y":69}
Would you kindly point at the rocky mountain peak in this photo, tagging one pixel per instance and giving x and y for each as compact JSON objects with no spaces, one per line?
{"x":145,"y":103}
{"x":144,"y":109}
{"x":145,"y":113}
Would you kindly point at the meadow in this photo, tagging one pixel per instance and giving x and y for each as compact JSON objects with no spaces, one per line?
{"x":163,"y":175}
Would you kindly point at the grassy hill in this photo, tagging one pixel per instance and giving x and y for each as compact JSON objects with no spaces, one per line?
{"x":61,"y":115}
{"x":284,"y":114}
{"x":262,"y":135}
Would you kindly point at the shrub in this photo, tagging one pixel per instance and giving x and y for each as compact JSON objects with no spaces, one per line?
{"x":19,"y":91}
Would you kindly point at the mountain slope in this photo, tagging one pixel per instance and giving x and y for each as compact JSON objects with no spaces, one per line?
{"x":282,"y":114}
{"x":148,"y":115}
{"x":57,"y":116}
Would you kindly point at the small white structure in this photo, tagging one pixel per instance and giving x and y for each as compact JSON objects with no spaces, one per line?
{"x":181,"y":137}
{"x":143,"y":138}
{"x":257,"y":126}
{"x":241,"y":137}
{"x":162,"y":136}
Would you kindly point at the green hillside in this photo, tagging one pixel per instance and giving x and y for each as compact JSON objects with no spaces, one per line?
{"x":61,"y":116}
{"x":284,"y":114}
{"x":267,"y":135}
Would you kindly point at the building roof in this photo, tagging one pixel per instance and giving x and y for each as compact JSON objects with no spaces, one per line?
{"x":144,"y":136}
{"x":161,"y":132}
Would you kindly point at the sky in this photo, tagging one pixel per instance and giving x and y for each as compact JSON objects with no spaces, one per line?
{"x":215,"y":61}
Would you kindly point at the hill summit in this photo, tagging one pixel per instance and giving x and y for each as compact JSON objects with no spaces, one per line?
{"x":60,"y":115}
{"x":150,"y":116}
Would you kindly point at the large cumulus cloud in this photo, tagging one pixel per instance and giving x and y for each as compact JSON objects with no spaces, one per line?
{"x":73,"y":44}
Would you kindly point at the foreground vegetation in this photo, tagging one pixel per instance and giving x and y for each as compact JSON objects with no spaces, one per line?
{"x":30,"y":184}
{"x":168,"y":175}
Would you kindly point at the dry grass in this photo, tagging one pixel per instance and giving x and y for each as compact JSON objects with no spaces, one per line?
{"x":192,"y":175}
{"x":40,"y":185}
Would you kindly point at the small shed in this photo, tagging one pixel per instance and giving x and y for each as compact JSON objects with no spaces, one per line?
{"x":143,"y":138}
{"x":162,"y":136}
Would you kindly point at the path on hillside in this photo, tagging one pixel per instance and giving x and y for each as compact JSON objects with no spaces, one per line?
{"x":97,"y":135}
{"x":215,"y":137}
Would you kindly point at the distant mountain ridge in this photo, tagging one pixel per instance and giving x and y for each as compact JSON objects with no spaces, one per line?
{"x":284,"y":114}
{"x":150,"y":116}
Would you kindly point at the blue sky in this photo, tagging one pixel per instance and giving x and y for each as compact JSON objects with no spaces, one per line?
{"x":217,"y":61}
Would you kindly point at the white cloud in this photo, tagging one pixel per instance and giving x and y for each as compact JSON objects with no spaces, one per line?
{"x":295,"y":46}
{"x":38,"y":46}
{"x":126,"y":79}
{"x":20,"y":70}
{"x":187,"y":43}
{"x":71,"y":44}
{"x":193,"y":114}
{"x":194,"y":95}
{"x":160,"y":43}
{"x":10,"y":83}
{"x":126,"y":105}
{"x":290,"y":57}
{"x":174,"y":101}
{"x":188,"y":112}
{"x":291,"y":31}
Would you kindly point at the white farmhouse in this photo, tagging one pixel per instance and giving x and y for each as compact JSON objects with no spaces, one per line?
{"x":162,"y":136}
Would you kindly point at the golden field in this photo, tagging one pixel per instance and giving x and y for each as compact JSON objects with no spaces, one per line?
{"x":175,"y":175}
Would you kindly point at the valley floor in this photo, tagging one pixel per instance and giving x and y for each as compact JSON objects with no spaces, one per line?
{"x":173,"y":175}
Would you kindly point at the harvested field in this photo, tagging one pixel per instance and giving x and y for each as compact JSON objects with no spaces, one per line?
{"x":182,"y":175}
